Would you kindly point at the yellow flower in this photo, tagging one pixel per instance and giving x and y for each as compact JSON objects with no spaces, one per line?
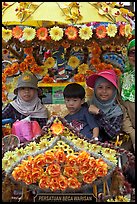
{"x":111,"y":30}
{"x":73,"y":62}
{"x":43,"y":143}
{"x":6,"y":34}
{"x":29,"y":33}
{"x":5,"y":164}
{"x":49,"y":63}
{"x":83,"y":68}
{"x":56,"y":33}
{"x":128,"y":30}
{"x":85,"y":33}
{"x":19,"y":152}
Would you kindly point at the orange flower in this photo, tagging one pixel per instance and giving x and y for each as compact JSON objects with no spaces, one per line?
{"x":84,"y":168}
{"x":49,"y":157}
{"x":65,"y":44}
{"x":70,"y":171}
{"x":36,"y":69}
{"x":73,"y":183}
{"x":71,"y":160}
{"x":28,"y":50}
{"x":15,"y":67}
{"x":96,"y":50}
{"x":101,"y":171}
{"x":57,"y":128}
{"x":17,"y":32}
{"x":89,"y":72}
{"x":63,"y":182}
{"x":53,"y":170}
{"x":60,"y":156}
{"x":3,"y":77}
{"x":36,"y":174}
{"x":18,"y":173}
{"x":79,"y":77}
{"x":95,"y":61}
{"x":92,"y":162}
{"x":122,"y":30}
{"x":39,"y":160}
{"x":28,"y":179}
{"x":29,"y":60}
{"x":71,"y":32}
{"x":4,"y":96}
{"x":42,"y":33}
{"x":44,"y":182}
{"x":117,"y":71}
{"x":89,"y":178}
{"x":83,"y":158}
{"x":101,"y":31}
{"x":47,"y":79}
{"x":54,"y":184}
{"x":23,"y":67}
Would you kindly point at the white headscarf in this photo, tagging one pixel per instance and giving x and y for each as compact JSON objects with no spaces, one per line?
{"x":33,"y":108}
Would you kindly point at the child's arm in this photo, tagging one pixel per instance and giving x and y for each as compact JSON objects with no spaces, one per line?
{"x":95,"y":133}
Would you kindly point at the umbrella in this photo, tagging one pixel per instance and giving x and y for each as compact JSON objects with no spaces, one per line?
{"x":50,"y":13}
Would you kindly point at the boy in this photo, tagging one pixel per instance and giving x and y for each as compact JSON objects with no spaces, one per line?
{"x":79,"y":116}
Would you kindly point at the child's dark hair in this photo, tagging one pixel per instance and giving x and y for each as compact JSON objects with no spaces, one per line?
{"x":74,"y":90}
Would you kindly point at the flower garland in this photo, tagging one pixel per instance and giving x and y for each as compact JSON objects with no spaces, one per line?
{"x":56,"y":33}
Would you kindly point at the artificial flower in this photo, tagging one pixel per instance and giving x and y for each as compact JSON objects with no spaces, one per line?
{"x":47,"y":79}
{"x":83,"y":68}
{"x":28,"y":50}
{"x":71,"y":32}
{"x":29,"y":33}
{"x":95,"y":61}
{"x":89,"y":178}
{"x":63,"y":182}
{"x":115,"y":12}
{"x":56,"y":33}
{"x":49,"y":63}
{"x":73,"y":62}
{"x":85,"y":33}
{"x":101,"y":31}
{"x":17,"y":32}
{"x":42,"y":33}
{"x":128,"y":30}
{"x":6,"y":34}
{"x":122,"y":30}
{"x":111,"y":30}
{"x":60,"y":156}
{"x":57,"y":128}
{"x":73,"y":183}
{"x":79,"y":77}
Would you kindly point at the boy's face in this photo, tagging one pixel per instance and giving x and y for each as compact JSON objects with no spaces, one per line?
{"x":104,"y":91}
{"x":26,"y":93}
{"x":73,"y":104}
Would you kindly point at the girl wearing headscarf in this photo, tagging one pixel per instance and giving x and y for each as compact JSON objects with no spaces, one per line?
{"x":103,"y":104}
{"x":27,"y":102}
{"x":127,"y":91}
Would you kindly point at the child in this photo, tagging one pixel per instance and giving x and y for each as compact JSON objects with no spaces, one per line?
{"x":79,"y":116}
{"x":103,"y":105}
{"x":127,"y":92}
{"x":27,"y":102}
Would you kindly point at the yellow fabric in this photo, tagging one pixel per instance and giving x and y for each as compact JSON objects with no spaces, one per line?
{"x":46,"y":12}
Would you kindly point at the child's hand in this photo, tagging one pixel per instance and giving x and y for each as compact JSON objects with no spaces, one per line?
{"x":93,"y":109}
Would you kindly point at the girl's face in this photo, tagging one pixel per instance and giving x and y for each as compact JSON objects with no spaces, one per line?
{"x":73,"y":104}
{"x":131,"y":56}
{"x":26,"y":93}
{"x":104,"y":91}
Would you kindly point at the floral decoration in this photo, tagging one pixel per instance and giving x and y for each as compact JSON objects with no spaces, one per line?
{"x":83,"y":68}
{"x":111,"y":30}
{"x":85,"y":33}
{"x":6,"y":34}
{"x":56,"y":33}
{"x":57,"y":171}
{"x":49,"y":63}
{"x":17,"y":32}
{"x":101,"y":31}
{"x":73,"y":62}
{"x":29,"y":33}
{"x":71,"y":32}
{"x":42,"y":33}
